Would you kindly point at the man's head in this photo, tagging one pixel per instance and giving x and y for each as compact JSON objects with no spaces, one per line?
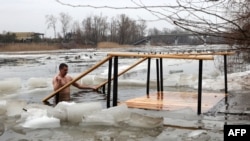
{"x":63,"y":68}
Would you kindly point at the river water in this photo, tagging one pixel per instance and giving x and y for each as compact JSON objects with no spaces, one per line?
{"x":26,"y":78}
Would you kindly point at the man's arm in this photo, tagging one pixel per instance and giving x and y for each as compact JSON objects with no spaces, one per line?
{"x":82,"y":86}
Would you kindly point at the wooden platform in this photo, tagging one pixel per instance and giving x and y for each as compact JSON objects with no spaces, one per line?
{"x":175,"y":101}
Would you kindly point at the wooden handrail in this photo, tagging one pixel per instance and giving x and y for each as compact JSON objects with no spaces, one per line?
{"x":173,"y":56}
{"x":124,"y":71}
{"x":77,"y":78}
{"x":209,"y":53}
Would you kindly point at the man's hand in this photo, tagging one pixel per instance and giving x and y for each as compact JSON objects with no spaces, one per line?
{"x":94,"y":88}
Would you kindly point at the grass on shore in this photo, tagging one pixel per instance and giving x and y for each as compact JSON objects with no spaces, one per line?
{"x":15,"y":47}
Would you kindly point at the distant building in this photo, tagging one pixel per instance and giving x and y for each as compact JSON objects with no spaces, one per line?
{"x":28,"y":36}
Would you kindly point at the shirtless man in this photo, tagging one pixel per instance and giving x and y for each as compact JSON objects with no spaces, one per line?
{"x":61,"y":79}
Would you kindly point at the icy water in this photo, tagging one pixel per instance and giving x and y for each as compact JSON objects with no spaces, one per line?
{"x":32,"y":72}
{"x":26,"y":79}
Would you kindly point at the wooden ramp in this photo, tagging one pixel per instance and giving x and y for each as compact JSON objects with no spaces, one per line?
{"x":175,"y":101}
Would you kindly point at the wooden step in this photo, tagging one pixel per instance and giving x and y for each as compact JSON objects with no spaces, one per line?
{"x":175,"y":101}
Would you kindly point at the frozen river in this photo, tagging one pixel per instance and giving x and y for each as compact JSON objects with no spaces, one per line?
{"x":26,"y":78}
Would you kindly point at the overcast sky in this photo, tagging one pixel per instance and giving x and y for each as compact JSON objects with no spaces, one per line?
{"x":29,"y":15}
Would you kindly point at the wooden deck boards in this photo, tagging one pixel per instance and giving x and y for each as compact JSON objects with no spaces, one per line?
{"x":175,"y":101}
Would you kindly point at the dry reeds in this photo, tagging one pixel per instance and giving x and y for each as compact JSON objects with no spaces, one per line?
{"x":109,"y":45}
{"x":27,"y":47}
{"x":15,"y":47}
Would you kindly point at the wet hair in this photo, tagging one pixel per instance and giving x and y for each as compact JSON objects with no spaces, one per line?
{"x":62,"y":65}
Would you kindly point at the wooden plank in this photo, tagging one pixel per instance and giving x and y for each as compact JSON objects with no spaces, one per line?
{"x":211,"y":53}
{"x":173,"y":56}
{"x":175,"y":100}
{"x":124,"y":71}
{"x":77,"y":78}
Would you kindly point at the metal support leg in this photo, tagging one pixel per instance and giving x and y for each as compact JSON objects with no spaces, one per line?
{"x":226,"y":90}
{"x":157,"y":78}
{"x":199,"y":87}
{"x":161,"y":75}
{"x":148,"y":76}
{"x":109,"y":82}
{"x":115,"y":81}
{"x":225,"y":72}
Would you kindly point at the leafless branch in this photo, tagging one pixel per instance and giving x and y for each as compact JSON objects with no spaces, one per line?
{"x":113,"y":7}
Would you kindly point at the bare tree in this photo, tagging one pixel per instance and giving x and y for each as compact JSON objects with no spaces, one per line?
{"x":87,"y":29}
{"x":113,"y":30}
{"x":222,"y":18}
{"x":51,"y":23}
{"x":100,"y":27}
{"x":65,"y":21}
{"x":123,"y":28}
{"x":128,"y":30}
{"x":77,"y":32}
{"x":95,"y":28}
{"x":142,"y":26}
{"x":240,"y":13}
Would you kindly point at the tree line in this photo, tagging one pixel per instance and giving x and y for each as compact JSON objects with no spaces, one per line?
{"x":94,"y":29}
{"x":120,"y":29}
